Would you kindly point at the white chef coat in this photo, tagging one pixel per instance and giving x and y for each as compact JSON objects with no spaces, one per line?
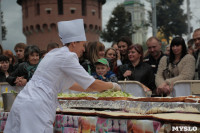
{"x":34,"y":109}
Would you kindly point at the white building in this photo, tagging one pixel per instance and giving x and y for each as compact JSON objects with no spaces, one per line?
{"x":137,"y":10}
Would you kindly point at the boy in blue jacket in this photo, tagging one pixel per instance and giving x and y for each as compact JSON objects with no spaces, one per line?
{"x":103,"y":71}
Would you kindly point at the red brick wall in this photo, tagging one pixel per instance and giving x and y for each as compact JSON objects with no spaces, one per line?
{"x":46,"y":33}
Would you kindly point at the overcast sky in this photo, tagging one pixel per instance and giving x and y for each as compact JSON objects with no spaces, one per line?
{"x":13,"y":18}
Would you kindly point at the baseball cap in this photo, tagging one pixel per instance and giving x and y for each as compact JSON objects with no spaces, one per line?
{"x":102,"y":61}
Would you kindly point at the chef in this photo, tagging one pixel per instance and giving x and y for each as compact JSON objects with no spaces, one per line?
{"x":34,"y":109}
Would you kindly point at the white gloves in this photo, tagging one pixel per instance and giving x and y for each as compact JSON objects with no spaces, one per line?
{"x":116,"y":87}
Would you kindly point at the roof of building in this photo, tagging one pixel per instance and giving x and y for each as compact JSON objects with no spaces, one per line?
{"x":131,"y":2}
{"x":20,"y":1}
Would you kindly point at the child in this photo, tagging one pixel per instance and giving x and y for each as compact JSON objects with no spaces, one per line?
{"x":103,"y":71}
{"x":4,"y":66}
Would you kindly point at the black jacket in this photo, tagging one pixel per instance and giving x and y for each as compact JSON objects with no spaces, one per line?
{"x":2,"y":77}
{"x":196,"y":57}
{"x":153,"y":62}
{"x":142,"y":73}
{"x":16,"y":65}
{"x":22,"y":70}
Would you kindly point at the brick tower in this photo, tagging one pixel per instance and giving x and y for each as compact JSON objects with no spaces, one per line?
{"x":40,"y":18}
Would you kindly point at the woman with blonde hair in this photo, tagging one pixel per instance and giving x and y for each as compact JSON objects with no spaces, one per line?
{"x":94,"y":51}
{"x":111,"y":56}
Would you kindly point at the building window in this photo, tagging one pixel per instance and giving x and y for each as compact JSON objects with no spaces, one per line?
{"x":84,"y":12}
{"x":31,"y":28}
{"x":72,"y":10}
{"x":90,"y":26}
{"x":53,"y":26}
{"x":37,"y":9}
{"x":26,"y":8}
{"x":99,"y":9}
{"x":60,"y":6}
{"x":93,"y":12}
{"x":45,"y":27}
{"x":48,"y":10}
{"x":85,"y":26}
{"x":38,"y":28}
{"x":96,"y":27}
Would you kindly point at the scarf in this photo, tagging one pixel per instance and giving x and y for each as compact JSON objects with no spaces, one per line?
{"x":30,"y":69}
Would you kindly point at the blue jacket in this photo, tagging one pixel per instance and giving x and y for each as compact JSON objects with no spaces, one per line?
{"x":110,"y":77}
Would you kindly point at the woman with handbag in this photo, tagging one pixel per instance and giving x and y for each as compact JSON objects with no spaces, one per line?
{"x":178,"y":66}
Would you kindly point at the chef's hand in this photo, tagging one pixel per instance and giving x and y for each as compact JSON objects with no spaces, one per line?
{"x":116,"y":87}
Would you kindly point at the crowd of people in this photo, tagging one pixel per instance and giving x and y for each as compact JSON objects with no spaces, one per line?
{"x":156,"y":69}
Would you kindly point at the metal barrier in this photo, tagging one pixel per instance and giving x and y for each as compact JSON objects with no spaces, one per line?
{"x":135,"y":88}
{"x":186,"y":88}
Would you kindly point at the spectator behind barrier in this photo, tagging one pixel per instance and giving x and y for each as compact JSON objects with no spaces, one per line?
{"x":154,"y":53}
{"x":115,"y":46}
{"x":196,"y":40}
{"x":103,"y":71}
{"x":43,"y":53}
{"x":179,"y":66}
{"x":11,"y":57}
{"x":137,"y":70}
{"x":111,"y":56}
{"x":19,"y":50}
{"x":51,"y":46}
{"x":167,"y":50}
{"x":4,"y":66}
{"x":93,"y":52}
{"x":25,"y":70}
{"x":123,"y":44}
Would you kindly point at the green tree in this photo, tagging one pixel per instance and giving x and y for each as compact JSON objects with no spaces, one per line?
{"x":4,"y":30}
{"x":171,"y":20}
{"x":118,"y":25}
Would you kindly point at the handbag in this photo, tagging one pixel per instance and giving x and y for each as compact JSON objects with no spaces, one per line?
{"x":167,"y":72}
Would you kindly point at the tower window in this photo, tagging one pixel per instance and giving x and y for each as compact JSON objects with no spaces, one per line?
{"x":99,"y":8}
{"x":26,"y":8}
{"x":37,"y":9}
{"x":93,"y":12}
{"x":48,"y":10}
{"x":84,"y":8}
{"x":72,"y":10}
{"x":60,"y":6}
{"x":91,"y":26}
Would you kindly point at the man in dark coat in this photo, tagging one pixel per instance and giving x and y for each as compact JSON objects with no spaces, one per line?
{"x":196,"y":40}
{"x":154,"y":53}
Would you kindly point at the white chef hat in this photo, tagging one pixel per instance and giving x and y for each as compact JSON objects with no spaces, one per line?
{"x":71,"y":31}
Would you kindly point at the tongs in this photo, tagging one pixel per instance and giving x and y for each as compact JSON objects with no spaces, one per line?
{"x":124,"y":86}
